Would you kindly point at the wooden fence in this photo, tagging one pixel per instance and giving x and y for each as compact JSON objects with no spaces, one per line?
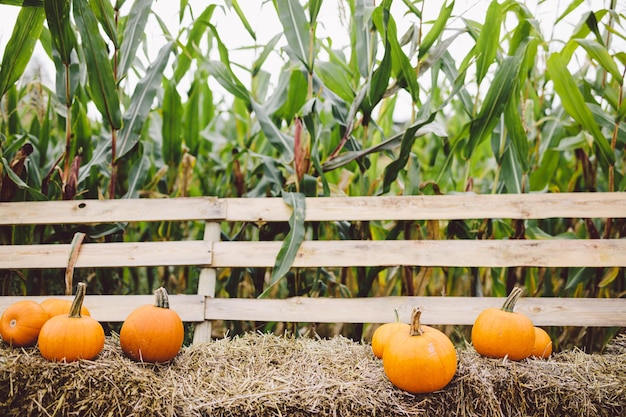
{"x":210,"y":254}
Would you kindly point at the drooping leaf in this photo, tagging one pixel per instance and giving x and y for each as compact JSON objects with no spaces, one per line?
{"x":23,"y":3}
{"x":408,"y":139}
{"x":278,"y":139}
{"x":133,"y":34}
{"x":292,"y":241}
{"x":102,"y":84}
{"x":141,"y":101}
{"x":227,"y":79}
{"x":365,"y":44}
{"x":191,"y":49}
{"x":574,"y":104}
{"x":103,"y":10}
{"x":20,"y":46}
{"x":244,"y":20}
{"x":516,"y":134}
{"x":137,"y":176}
{"x":437,"y":29}
{"x":602,"y":56}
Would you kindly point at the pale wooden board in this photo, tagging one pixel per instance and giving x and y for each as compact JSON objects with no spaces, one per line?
{"x":345,"y":253}
{"x":190,"y":252}
{"x":115,"y":308}
{"x":436,"y":310}
{"x":105,"y":211}
{"x":468,"y":253}
{"x":456,"y":206}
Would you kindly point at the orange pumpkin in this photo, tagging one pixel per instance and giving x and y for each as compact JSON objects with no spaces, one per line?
{"x":383,"y":333}
{"x":56,"y":306}
{"x":500,"y":332}
{"x":543,"y":344}
{"x":67,"y":338}
{"x":152,"y":333}
{"x":421,"y":359}
{"x":21,"y":322}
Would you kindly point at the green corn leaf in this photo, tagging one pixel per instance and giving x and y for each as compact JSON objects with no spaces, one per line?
{"x":103,"y":10}
{"x":574,"y":104}
{"x":137,"y":176}
{"x":602,"y":56}
{"x":501,"y":90}
{"x":227,"y":79}
{"x":572,"y":6}
{"x":512,"y":173}
{"x":235,"y":5}
{"x":293,"y":240}
{"x":314,"y":10}
{"x":437,"y":29}
{"x":516,"y":134}
{"x":23,"y":3}
{"x":62,"y":34}
{"x":336,"y":79}
{"x":20,"y":46}
{"x":296,"y":28}
{"x":488,"y":40}
{"x":365,"y":45}
{"x":408,"y":139}
{"x":141,"y":101}
{"x":278,"y":139}
{"x":99,"y":71}
{"x":133,"y":34}
{"x":267,"y":50}
{"x":190,"y":50}
{"x":172,"y":125}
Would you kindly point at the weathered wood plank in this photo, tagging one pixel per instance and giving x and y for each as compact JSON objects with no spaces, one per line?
{"x":469,"y":253}
{"x":190,"y":252}
{"x":591,"y":312}
{"x":454,"y":206}
{"x":115,"y":308}
{"x":105,"y":211}
{"x":345,"y":253}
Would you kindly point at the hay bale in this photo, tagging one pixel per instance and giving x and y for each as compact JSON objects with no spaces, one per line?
{"x":265,"y":375}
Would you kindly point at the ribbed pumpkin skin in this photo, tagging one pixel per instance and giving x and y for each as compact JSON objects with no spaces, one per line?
{"x":56,"y":306}
{"x":68,"y":339}
{"x":21,"y":322}
{"x":542,"y":348}
{"x":72,"y":337}
{"x":421,"y":363}
{"x":497,"y":333}
{"x":382,"y":335}
{"x":152,"y":334}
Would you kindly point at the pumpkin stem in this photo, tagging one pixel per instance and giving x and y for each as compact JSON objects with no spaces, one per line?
{"x":77,"y":304}
{"x":511,"y":300}
{"x":160,"y":298}
{"x":416,"y":328}
{"x":395,"y":310}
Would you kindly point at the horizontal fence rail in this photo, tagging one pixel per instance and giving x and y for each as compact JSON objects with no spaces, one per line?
{"x":437,"y":310}
{"x":446,"y":207}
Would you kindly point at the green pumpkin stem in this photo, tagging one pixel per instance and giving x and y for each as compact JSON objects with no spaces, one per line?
{"x":160,"y":298}
{"x":416,"y":328}
{"x":395,"y":310}
{"x":511,"y":300}
{"x":77,"y":304}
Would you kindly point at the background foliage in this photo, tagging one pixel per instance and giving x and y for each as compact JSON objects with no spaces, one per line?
{"x":520,"y":111}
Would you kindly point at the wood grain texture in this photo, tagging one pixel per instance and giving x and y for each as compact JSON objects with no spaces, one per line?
{"x":115,"y":308}
{"x":468,"y":253}
{"x":190,"y":252}
{"x":454,"y":206}
{"x":105,"y":211}
{"x":436,"y":310}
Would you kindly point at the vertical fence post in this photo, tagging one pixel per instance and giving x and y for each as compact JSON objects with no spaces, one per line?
{"x":206,"y":283}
